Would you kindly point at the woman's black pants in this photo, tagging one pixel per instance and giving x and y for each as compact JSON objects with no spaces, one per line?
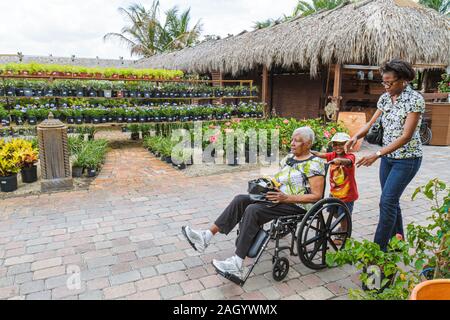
{"x":251,"y":215}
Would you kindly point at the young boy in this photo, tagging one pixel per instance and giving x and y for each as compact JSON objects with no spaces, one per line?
{"x":342,"y":174}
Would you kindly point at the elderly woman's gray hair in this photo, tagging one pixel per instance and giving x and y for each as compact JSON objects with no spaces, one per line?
{"x":306,"y":132}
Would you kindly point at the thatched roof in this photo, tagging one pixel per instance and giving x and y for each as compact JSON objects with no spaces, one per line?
{"x":366,"y":32}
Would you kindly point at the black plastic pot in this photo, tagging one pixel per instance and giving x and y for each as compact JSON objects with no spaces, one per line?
{"x":27,"y":92}
{"x":135,"y":136}
{"x":5,"y":122}
{"x":77,"y":172}
{"x":10,"y":91}
{"x":92,"y":172}
{"x":181,"y":166}
{"x":32,"y":121}
{"x":29,"y":174}
{"x":70,"y":120}
{"x":78,"y":120}
{"x":8,"y":183}
{"x":19,"y":121}
{"x":168,"y":159}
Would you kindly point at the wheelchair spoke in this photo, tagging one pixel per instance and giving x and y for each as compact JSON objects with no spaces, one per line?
{"x":316,"y":249}
{"x":332,"y":243}
{"x":329,"y":219}
{"x":314,"y":239}
{"x":342,"y":233}
{"x":337,"y":221}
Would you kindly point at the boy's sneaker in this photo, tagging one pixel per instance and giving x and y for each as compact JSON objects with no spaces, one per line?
{"x":197,"y":239}
{"x":229,"y":266}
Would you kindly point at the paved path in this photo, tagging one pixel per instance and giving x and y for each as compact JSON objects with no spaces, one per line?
{"x":122,"y":237}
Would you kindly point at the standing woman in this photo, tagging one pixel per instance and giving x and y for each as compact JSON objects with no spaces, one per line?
{"x":400,"y":109}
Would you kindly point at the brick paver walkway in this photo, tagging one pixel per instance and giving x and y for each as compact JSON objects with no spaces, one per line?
{"x":121,"y":239}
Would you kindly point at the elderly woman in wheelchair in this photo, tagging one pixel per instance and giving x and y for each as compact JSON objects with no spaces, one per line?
{"x":295,"y":198}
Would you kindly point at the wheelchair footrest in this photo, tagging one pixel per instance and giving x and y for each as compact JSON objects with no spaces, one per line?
{"x":231,"y":277}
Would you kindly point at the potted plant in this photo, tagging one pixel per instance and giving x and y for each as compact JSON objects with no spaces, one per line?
{"x":405,"y":263}
{"x":4,"y":117}
{"x":17,"y":116}
{"x":134,"y":128}
{"x":28,"y":158}
{"x":9,"y":166}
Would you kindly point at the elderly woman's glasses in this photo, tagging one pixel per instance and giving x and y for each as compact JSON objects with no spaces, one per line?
{"x":388,"y":84}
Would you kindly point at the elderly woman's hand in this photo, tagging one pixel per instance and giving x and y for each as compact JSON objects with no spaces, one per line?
{"x":277,"y":196}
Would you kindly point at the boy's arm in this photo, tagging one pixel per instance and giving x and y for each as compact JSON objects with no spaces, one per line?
{"x":342,"y":161}
{"x":319,"y":154}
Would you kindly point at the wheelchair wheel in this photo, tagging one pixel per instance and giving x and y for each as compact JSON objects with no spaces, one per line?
{"x":327,"y":225}
{"x":280,"y":269}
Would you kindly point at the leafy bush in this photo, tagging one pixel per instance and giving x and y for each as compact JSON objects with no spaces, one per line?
{"x":444,"y":85}
{"x":404,"y":261}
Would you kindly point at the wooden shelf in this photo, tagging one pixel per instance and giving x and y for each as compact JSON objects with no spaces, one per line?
{"x":130,"y":98}
{"x":121,"y":124}
{"x":64,"y":77}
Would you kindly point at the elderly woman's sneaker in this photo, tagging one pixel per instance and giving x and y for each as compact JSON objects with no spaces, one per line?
{"x":230,"y":266}
{"x":197,"y":239}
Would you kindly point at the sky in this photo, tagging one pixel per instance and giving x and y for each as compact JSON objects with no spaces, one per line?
{"x":66,"y":27}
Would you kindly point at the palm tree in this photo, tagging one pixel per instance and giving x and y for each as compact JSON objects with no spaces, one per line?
{"x":176,"y":34}
{"x":441,"y":6}
{"x":146,"y":36}
{"x":141,"y":36}
{"x":305,"y":8}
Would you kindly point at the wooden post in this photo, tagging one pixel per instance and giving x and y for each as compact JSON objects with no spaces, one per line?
{"x":265,"y":91}
{"x":217,"y":78}
{"x":337,"y":85}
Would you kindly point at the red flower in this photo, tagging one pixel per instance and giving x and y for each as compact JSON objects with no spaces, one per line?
{"x":228,"y":123}
{"x":399,"y":236}
{"x":285,"y":121}
{"x":326,"y":134}
{"x":333,"y":130}
{"x":236,"y":120}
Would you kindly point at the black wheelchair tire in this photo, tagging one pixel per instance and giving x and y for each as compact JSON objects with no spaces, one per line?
{"x":323,"y":233}
{"x":280,"y":269}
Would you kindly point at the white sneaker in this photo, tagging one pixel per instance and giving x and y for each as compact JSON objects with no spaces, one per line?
{"x":229,"y":265}
{"x":197,"y":239}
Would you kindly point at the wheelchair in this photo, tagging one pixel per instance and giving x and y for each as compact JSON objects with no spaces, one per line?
{"x":311,"y":235}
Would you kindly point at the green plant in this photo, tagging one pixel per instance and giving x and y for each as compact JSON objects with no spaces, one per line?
{"x":91,"y":154}
{"x":435,"y":237}
{"x":3,"y":113}
{"x":444,"y":85}
{"x":404,"y":261}
{"x":10,"y":160}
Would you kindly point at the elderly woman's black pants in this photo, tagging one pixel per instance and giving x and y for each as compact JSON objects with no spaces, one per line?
{"x":251,"y":215}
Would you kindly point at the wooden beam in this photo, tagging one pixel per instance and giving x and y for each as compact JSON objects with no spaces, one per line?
{"x":359,"y":67}
{"x":337,"y":85}
{"x":265,"y":91}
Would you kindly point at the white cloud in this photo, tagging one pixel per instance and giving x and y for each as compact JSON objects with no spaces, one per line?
{"x":63,"y":28}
